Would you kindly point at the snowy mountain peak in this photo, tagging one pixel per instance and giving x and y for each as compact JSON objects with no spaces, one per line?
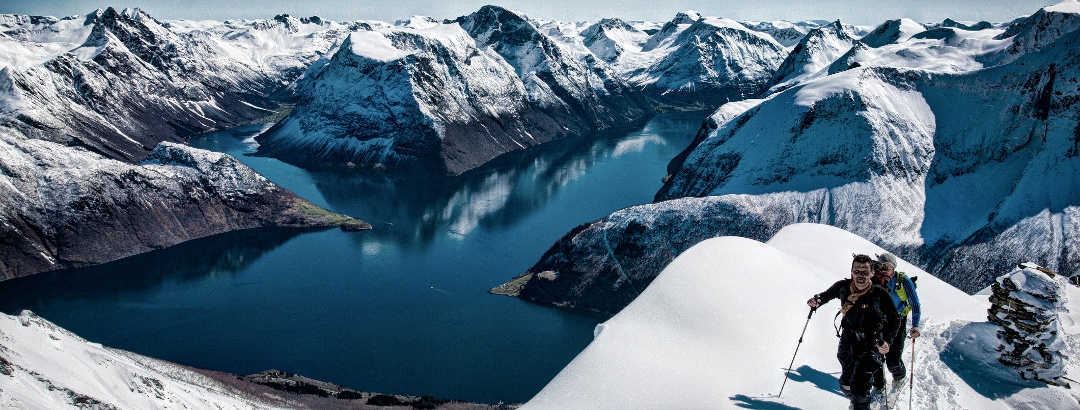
{"x":1043,"y":27}
{"x":892,"y":32}
{"x":373,"y":45}
{"x":670,"y":30}
{"x":419,"y":22}
{"x":686,"y":17}
{"x":982,"y":25}
{"x":819,"y":48}
{"x":134,"y":13}
{"x":448,"y":97}
{"x":291,"y":23}
{"x":142,"y":35}
{"x":706,"y":63}
{"x":610,"y":38}
{"x":1065,"y":6}
{"x":287,"y":22}
{"x":510,"y":34}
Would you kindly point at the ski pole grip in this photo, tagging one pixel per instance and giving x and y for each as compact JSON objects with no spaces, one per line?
{"x":812,"y":310}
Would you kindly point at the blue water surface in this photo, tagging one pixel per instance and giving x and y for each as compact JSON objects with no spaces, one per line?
{"x":400,"y":309}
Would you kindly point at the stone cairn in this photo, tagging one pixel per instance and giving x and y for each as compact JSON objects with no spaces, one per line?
{"x":1025,"y":303}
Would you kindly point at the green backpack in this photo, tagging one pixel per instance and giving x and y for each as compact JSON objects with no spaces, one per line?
{"x":902,"y":292}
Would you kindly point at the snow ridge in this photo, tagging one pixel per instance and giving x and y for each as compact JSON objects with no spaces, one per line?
{"x":937,"y":147}
{"x":717,"y":329}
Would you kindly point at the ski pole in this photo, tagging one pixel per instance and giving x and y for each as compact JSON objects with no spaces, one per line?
{"x":911,"y":379}
{"x":788,"y":372}
{"x":886,"y":389}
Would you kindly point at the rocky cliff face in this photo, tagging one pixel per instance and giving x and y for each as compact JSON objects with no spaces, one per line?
{"x":815,"y":52}
{"x":705,"y":63}
{"x":603,"y":265}
{"x":82,"y":100}
{"x":128,"y":85}
{"x":410,"y":98}
{"x":59,"y":203}
{"x":447,"y":98}
{"x":963,"y":173}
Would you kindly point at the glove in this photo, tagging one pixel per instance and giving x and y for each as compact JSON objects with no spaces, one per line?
{"x":914,"y":332}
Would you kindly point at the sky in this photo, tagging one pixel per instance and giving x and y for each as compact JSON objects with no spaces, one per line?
{"x":860,"y":12}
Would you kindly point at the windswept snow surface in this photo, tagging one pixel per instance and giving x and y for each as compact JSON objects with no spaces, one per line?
{"x":43,"y":366}
{"x":719,"y":326}
{"x":1065,"y":6}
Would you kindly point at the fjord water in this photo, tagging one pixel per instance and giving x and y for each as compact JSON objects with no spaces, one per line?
{"x":400,"y":309}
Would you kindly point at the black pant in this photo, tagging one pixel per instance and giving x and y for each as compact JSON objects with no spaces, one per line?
{"x":859,"y":360}
{"x":894,"y":359}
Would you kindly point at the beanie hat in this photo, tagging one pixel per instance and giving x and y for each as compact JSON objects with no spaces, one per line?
{"x":887,"y":258}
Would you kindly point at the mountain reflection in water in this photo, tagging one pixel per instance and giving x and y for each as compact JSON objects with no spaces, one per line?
{"x":400,"y":309}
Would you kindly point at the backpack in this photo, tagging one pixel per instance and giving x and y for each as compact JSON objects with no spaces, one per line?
{"x":902,"y":292}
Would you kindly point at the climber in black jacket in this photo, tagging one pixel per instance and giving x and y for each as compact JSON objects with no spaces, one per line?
{"x":869,"y":321}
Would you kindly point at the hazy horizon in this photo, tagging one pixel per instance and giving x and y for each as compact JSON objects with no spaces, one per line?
{"x":865,"y":12}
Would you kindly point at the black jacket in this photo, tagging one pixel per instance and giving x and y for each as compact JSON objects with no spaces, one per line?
{"x":871,"y":319}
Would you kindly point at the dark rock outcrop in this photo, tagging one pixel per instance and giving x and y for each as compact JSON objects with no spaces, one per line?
{"x":1026,"y":303}
{"x":65,"y":207}
{"x":602,"y":266}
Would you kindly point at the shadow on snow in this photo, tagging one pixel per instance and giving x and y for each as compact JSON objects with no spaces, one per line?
{"x":822,"y":380}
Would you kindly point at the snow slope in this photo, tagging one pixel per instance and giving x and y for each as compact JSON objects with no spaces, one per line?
{"x":43,"y":366}
{"x":718,"y":327}
{"x":696,"y":61}
{"x":964,"y":172}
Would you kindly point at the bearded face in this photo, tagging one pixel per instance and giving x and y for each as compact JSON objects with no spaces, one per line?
{"x":861,"y":274}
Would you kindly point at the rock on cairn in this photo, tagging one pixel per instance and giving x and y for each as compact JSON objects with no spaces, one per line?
{"x":1026,"y":303}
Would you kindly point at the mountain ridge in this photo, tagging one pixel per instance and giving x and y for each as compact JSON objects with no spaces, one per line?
{"x":890,"y":153}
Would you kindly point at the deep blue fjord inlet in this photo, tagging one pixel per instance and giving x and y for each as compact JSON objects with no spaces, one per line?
{"x":400,"y":309}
